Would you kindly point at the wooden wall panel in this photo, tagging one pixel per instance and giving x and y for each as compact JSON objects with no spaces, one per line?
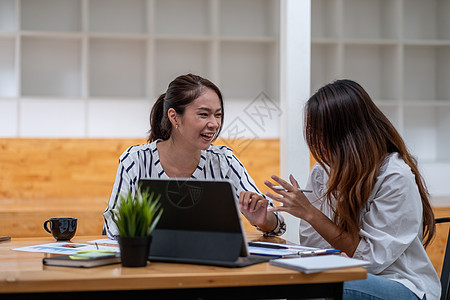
{"x":43,"y":178}
{"x":36,"y":169}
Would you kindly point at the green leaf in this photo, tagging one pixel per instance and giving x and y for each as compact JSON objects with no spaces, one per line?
{"x":138,"y":215}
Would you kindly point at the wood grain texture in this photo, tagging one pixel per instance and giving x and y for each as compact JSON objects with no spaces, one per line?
{"x":23,"y":272}
{"x":43,"y":178}
{"x":36,"y":169}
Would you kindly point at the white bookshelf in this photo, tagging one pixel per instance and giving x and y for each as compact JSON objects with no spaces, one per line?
{"x":125,"y":52}
{"x":399,"y":50}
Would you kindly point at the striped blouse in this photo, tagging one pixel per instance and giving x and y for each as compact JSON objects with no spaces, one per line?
{"x":142,"y":161}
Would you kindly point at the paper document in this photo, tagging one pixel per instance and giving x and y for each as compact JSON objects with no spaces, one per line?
{"x":318,"y":263}
{"x":65,"y":248}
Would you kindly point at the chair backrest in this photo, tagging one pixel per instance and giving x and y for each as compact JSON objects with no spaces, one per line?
{"x":445,"y":278}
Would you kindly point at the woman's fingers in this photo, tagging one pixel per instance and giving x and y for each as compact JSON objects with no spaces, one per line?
{"x":294,"y":181}
{"x":286,"y":186}
{"x":251,"y":202}
{"x":278,"y":198}
{"x":244,"y":200}
{"x":260,"y":203}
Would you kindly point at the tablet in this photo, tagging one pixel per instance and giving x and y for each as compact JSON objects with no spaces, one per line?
{"x":200,"y":223}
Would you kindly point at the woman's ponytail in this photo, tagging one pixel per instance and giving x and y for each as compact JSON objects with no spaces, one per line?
{"x":158,"y":126}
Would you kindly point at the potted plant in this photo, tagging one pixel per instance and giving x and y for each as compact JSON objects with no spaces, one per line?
{"x":136,"y":218}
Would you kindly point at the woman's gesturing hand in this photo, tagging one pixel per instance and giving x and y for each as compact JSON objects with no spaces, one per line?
{"x":293,"y":201}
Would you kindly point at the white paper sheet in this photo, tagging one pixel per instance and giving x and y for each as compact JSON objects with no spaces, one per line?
{"x":64,"y":248}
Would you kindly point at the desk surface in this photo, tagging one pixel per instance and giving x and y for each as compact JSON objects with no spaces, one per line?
{"x":24,"y":272}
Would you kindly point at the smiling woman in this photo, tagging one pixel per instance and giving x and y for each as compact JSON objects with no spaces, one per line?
{"x":184,"y":122}
{"x":195,"y":129}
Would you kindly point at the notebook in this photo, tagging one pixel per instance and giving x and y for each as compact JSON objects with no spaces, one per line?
{"x":200,"y":223}
{"x":87,"y":259}
{"x":319,"y":263}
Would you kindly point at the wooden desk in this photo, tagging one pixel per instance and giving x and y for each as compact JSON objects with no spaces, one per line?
{"x":22,"y":273}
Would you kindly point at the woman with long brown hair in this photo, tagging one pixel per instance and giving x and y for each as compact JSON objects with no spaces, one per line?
{"x":368,"y":198}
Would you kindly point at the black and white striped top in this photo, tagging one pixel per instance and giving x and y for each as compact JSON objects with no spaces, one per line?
{"x":142,"y":161}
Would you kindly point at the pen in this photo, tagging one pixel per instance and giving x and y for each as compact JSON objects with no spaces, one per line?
{"x":279,"y":187}
{"x":266,"y":246}
{"x":319,"y":252}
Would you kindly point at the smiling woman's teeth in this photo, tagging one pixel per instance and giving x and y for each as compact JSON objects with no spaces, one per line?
{"x":208,"y":135}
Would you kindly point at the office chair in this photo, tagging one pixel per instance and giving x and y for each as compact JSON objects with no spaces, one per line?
{"x":445,"y":278}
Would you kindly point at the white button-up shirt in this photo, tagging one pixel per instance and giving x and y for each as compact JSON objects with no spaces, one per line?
{"x":391,"y":227}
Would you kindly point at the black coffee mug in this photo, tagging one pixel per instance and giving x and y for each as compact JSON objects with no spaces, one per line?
{"x":62,"y":229}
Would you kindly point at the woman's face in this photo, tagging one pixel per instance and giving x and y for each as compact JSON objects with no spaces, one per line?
{"x":201,"y":120}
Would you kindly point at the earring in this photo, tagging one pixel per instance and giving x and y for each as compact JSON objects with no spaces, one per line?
{"x":176,"y":126}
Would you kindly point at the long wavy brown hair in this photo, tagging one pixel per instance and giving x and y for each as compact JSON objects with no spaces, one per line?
{"x":350,"y":137}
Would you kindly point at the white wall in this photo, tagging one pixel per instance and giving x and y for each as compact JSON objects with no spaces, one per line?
{"x":118,"y":118}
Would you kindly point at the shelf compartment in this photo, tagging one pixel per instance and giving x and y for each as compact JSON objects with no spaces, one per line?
{"x":426,"y":73}
{"x":51,"y":15}
{"x":324,"y":65}
{"x":426,"y":19}
{"x":8,"y":85}
{"x":103,"y":116}
{"x":373,"y":19}
{"x":246,"y":70}
{"x":375,"y":67}
{"x":180,"y":57}
{"x":324,"y":20}
{"x":195,"y":18}
{"x":249,"y":18}
{"x":426,"y":132}
{"x":118,"y":16}
{"x":51,"y":67}
{"x":117,"y":68}
{"x":8,"y":16}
